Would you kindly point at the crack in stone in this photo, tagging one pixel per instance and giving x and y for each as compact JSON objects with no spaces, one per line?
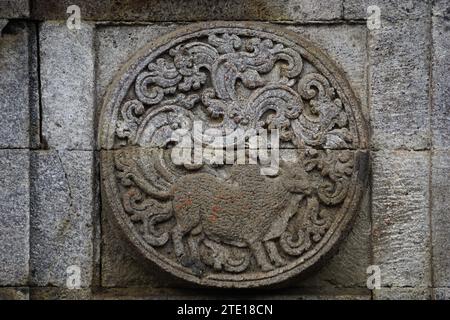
{"x":69,"y":188}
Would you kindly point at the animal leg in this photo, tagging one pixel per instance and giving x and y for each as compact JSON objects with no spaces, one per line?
{"x":273,"y":254}
{"x":261,"y":256}
{"x":177,"y":238}
{"x":193,"y":247}
{"x":194,"y":262}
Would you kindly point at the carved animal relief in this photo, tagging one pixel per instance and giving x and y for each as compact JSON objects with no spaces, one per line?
{"x":225,"y":223}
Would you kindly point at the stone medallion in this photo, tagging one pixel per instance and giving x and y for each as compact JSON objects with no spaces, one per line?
{"x":229,"y":224}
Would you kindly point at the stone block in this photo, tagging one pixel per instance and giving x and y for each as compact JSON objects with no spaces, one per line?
{"x":14,"y":217}
{"x":400,"y":211}
{"x":49,"y":293}
{"x":67,"y":80}
{"x":389,"y":10}
{"x":440,"y":204}
{"x":14,"y":9}
{"x":18,"y":86}
{"x":62,"y":214}
{"x":402,"y":294}
{"x":440,"y":115}
{"x":399,"y":81}
{"x":441,"y":294}
{"x":197,"y":10}
{"x":441,"y":8}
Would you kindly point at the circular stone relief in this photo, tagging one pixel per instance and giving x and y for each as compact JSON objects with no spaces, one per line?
{"x":224,"y":221}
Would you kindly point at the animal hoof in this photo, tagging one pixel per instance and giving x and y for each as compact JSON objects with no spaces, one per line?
{"x":186,"y":261}
{"x":195,"y":265}
{"x":198,"y":268}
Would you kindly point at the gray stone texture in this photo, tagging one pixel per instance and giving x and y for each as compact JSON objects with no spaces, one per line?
{"x":402,"y":294}
{"x":67,"y":80}
{"x":18,"y":86}
{"x":180,"y":10}
{"x":14,"y":217}
{"x":122,"y":266}
{"x":441,"y":294}
{"x":440,"y":204}
{"x":62,"y":213}
{"x":53,"y":293}
{"x":440,"y":115}
{"x":391,"y":10}
{"x":399,"y":84}
{"x":14,"y":9}
{"x":400,"y":213}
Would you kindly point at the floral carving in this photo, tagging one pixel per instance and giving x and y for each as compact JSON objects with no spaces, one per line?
{"x":221,"y":224}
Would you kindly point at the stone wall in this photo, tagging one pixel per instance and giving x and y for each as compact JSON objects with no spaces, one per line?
{"x":53,"y":81}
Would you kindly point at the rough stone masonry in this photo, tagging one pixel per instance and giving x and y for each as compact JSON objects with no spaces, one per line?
{"x":92,"y":207}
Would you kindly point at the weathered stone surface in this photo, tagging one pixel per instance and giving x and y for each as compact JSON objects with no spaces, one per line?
{"x":441,"y":8}
{"x":14,"y":217}
{"x":14,"y":293}
{"x":348,"y":267}
{"x":18,"y":86}
{"x":400,"y":209}
{"x":123,"y":266}
{"x":389,"y":10}
{"x":62,"y":213}
{"x":402,"y":294}
{"x":49,"y":293}
{"x":440,"y":204}
{"x":440,"y":115}
{"x":14,"y":8}
{"x":399,"y":80}
{"x":116,"y":45}
{"x":442,"y":293}
{"x":196,"y":10}
{"x":185,"y":218}
{"x":347,"y":46}
{"x":67,"y":79}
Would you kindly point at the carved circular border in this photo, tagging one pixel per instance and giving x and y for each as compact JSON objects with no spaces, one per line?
{"x":118,"y":91}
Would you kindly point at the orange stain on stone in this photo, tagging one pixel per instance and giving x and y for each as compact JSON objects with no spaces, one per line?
{"x":184,"y":203}
{"x":215,"y":210}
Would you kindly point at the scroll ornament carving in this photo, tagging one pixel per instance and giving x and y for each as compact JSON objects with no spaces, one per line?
{"x":228,"y":225}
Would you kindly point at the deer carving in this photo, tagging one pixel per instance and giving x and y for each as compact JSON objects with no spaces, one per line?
{"x":247,"y":210}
